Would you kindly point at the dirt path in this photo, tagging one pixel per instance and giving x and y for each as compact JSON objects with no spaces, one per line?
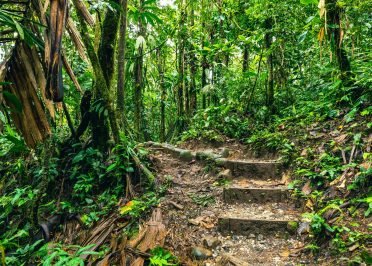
{"x":237,"y":214}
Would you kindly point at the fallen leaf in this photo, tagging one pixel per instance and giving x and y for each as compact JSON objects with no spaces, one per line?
{"x":207,"y":225}
{"x":365,"y":165}
{"x":285,"y":253}
{"x":127,"y":208}
{"x":306,"y":188}
{"x":341,"y":139}
{"x":353,"y":247}
{"x":304,"y":152}
{"x":309,"y":204}
{"x":196,"y":221}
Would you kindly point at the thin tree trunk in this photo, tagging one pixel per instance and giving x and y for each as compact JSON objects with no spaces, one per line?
{"x":204,"y":79}
{"x":268,"y":42}
{"x":181,"y":70}
{"x":245,"y":58}
{"x":333,"y":18}
{"x":121,"y":61}
{"x":138,"y":78}
{"x":193,"y":90}
{"x":163,"y":95}
{"x":69,"y":121}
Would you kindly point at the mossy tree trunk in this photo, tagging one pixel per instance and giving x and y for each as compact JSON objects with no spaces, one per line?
{"x":181,"y":69}
{"x":335,"y":34}
{"x":270,"y":65}
{"x":102,"y":79}
{"x":139,"y":82}
{"x":121,"y":61}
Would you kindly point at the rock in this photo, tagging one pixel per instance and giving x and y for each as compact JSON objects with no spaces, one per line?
{"x":205,"y":155}
{"x":225,"y":174}
{"x":225,"y":153}
{"x":260,"y":237}
{"x":194,"y":221}
{"x":211,"y":242}
{"x":251,"y":236}
{"x":176,"y":205}
{"x":186,"y":155}
{"x":303,"y":228}
{"x":200,"y":253}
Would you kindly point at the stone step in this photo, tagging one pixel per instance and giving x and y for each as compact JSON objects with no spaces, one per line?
{"x":253,"y":169}
{"x":263,"y":219}
{"x":255,"y":191}
{"x":236,"y":194}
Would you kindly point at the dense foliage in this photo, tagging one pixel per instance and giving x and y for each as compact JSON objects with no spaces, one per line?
{"x":288,"y":77}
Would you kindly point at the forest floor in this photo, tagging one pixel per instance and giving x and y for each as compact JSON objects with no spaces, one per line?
{"x":194,"y":203}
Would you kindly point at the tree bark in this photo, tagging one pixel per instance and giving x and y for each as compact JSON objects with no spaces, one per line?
{"x":333,"y":18}
{"x":163,"y":96}
{"x":138,"y":78}
{"x":193,"y":90}
{"x":245,"y":58}
{"x":268,"y":42}
{"x":204,"y":79}
{"x":106,"y":48}
{"x":121,"y":60}
{"x":181,"y":70}
{"x":101,"y":91}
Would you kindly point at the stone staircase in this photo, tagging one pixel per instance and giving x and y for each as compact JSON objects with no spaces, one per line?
{"x":260,"y":200}
{"x":255,"y":214}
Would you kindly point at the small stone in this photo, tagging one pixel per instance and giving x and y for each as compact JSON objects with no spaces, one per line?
{"x":228,"y":243}
{"x":205,"y":155}
{"x":225,"y":174}
{"x":252,"y":236}
{"x":260,"y":237}
{"x":211,"y":242}
{"x":186,"y":155}
{"x":225,"y":153}
{"x":200,"y":253}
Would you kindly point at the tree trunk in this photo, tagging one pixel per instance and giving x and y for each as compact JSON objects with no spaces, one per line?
{"x":121,"y":60}
{"x":101,"y":90}
{"x":193,"y":90}
{"x":106,"y":50}
{"x":333,"y":18}
{"x":204,"y":79}
{"x":163,"y":96}
{"x":268,"y":42}
{"x":138,"y":87}
{"x":245,"y":58}
{"x":181,"y":71}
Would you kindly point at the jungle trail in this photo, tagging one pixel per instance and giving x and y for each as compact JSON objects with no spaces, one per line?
{"x":185,"y":132}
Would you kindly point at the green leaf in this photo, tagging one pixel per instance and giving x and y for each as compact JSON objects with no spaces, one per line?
{"x":140,"y":42}
{"x":19,"y":29}
{"x":309,"y":2}
{"x":302,"y":37}
{"x":13,"y":100}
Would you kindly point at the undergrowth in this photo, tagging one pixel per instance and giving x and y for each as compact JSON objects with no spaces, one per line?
{"x":326,"y":141}
{"x":67,"y":180}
